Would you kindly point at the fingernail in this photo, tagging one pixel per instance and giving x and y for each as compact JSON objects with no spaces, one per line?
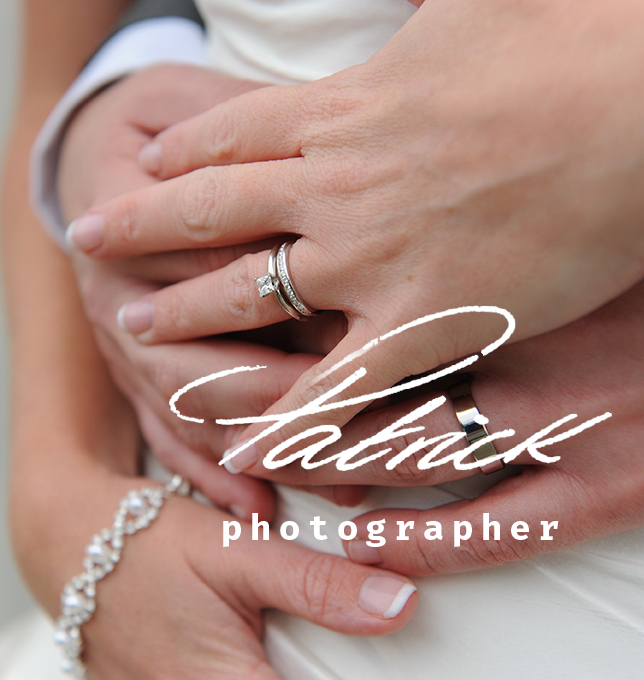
{"x":238,"y":511}
{"x":385,"y":596}
{"x":362,"y":553}
{"x":136,"y":317}
{"x":85,"y":233}
{"x":243,"y":460}
{"x":150,"y":157}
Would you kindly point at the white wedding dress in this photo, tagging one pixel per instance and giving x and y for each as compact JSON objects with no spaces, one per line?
{"x":575,"y":614}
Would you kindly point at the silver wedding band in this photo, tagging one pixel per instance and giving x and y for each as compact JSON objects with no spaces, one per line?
{"x":473,"y":424}
{"x":279,"y":282}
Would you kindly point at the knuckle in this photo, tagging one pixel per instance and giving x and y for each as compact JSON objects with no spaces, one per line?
{"x":406,"y":471}
{"x":173,"y":313}
{"x":125,"y":225}
{"x":198,"y":205}
{"x":166,"y":375}
{"x":94,"y":299}
{"x":316,"y":383}
{"x":474,"y":553}
{"x":220,"y":145}
{"x":429,"y":559}
{"x":238,"y":294}
{"x":318,"y":584}
{"x":491,"y":553}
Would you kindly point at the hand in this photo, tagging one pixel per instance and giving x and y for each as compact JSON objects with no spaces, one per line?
{"x":197,"y":612}
{"x":461,"y":165}
{"x":99,"y":161}
{"x":590,"y":367}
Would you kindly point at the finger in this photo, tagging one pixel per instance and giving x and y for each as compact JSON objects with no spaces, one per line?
{"x":180,"y":265}
{"x":194,"y":90}
{"x":159,"y":372}
{"x":360,"y":370}
{"x":240,"y":495}
{"x":162,"y":372}
{"x":344,"y":496}
{"x":222,"y":301}
{"x":321,"y":402}
{"x":258,"y":126}
{"x":324,"y":589}
{"x":160,"y":375}
{"x":208,"y":207}
{"x":419,"y":441}
{"x":390,"y":446}
{"x":529,"y":508}
{"x":232,"y":394}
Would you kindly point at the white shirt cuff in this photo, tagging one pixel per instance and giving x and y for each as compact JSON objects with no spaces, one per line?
{"x":144,"y":43}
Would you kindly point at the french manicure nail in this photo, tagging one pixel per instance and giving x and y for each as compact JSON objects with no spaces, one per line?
{"x":385,"y":596}
{"x":136,"y":317}
{"x":85,"y":233}
{"x":362,"y":553}
{"x":150,"y":157}
{"x":243,"y":460}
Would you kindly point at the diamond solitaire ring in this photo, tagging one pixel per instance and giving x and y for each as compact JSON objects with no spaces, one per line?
{"x":278,"y":281}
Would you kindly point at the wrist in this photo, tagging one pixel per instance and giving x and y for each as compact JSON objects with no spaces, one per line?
{"x":53,"y":518}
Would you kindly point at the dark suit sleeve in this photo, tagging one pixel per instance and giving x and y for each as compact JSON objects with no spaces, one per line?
{"x":140,"y":10}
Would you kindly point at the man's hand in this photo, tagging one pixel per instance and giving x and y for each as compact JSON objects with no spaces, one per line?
{"x":99,"y":161}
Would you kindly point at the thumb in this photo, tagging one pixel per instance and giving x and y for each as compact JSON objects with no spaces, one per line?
{"x":539,"y":511}
{"x":325,"y":589}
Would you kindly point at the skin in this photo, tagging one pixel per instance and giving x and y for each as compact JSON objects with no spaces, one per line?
{"x":383,"y":218}
{"x":413,"y":560}
{"x":99,"y":160}
{"x":69,"y":472}
{"x":387,"y":189}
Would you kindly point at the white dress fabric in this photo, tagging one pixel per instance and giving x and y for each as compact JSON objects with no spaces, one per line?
{"x":574,"y":614}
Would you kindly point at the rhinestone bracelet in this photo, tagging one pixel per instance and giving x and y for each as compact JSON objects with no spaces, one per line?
{"x":78,"y":599}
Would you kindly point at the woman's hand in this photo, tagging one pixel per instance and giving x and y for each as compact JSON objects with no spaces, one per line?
{"x":179,"y":604}
{"x":490,"y":154}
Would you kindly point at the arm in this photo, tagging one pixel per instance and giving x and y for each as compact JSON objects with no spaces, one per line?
{"x":50,"y":377}
{"x":149,"y":32}
{"x":70,"y":470}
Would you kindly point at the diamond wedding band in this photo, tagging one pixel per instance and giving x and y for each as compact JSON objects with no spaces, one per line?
{"x":278,"y":281}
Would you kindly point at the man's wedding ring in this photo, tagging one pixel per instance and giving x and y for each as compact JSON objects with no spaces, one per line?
{"x":473,"y":424}
{"x":278,"y":281}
